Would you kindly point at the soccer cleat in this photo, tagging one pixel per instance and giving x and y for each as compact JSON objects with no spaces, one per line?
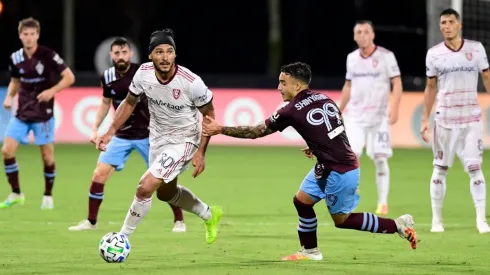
{"x":82,"y":226}
{"x":48,"y":203}
{"x":211,"y":225}
{"x":12,"y":199}
{"x":179,"y":226}
{"x":313,"y":254}
{"x":382,"y":209}
{"x":437,"y":227}
{"x":483,"y":227}
{"x":405,"y":226}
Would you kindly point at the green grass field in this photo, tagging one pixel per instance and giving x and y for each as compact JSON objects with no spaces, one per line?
{"x":255,"y":187}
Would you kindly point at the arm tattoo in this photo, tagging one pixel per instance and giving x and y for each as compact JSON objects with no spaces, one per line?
{"x":250,"y":132}
{"x":132,"y":99}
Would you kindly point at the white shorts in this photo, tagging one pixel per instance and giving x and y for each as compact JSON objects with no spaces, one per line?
{"x":376,"y":138}
{"x":466,"y":143}
{"x":171,"y":160}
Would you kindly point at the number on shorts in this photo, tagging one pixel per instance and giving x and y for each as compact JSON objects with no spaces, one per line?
{"x":166,"y":161}
{"x":332,"y":199}
{"x":383,"y":137}
{"x":480,"y":145}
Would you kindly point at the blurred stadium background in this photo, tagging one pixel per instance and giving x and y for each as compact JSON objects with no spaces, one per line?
{"x":237,"y":47}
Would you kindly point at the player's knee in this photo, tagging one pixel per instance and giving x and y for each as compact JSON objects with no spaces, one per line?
{"x":102,"y":173}
{"x":440,"y":171}
{"x":381,"y":163}
{"x":8,"y":148}
{"x":147,"y":186}
{"x":339,"y":220}
{"x":47,"y":154}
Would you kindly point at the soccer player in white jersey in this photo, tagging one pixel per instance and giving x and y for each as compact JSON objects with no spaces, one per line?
{"x":371,"y":71}
{"x":453,"y":67}
{"x":175,"y":97}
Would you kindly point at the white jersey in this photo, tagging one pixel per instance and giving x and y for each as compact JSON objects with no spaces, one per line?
{"x":457,"y":80}
{"x":174,"y":114}
{"x":370,"y":85}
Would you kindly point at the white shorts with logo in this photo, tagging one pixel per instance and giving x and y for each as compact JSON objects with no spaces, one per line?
{"x":466,"y":143}
{"x":171,"y":160}
{"x":376,"y":138}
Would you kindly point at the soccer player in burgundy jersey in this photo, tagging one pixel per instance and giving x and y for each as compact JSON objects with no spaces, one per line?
{"x":33,"y":69}
{"x":133,"y":135}
{"x":335,"y":176}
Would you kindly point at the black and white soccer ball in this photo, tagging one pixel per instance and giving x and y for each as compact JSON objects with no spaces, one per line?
{"x":114,"y":247}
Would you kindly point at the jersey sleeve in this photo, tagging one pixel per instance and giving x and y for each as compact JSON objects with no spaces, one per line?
{"x":430,"y":69}
{"x":482,"y":58}
{"x":348,"y":73}
{"x":106,"y":91}
{"x":201,"y":95}
{"x":58,"y":64}
{"x":392,"y":65}
{"x":13,"y":70}
{"x":279,"y":120}
{"x":136,"y":87}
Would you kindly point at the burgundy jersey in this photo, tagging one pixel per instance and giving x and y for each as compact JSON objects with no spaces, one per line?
{"x":36,"y":74}
{"x":116,"y":87}
{"x":318,"y":120}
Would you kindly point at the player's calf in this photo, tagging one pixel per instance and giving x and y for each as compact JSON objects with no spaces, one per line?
{"x":437,"y":193}
{"x":382,"y":182}
{"x":478,"y":192}
{"x":47,"y":153}
{"x":11,"y":167}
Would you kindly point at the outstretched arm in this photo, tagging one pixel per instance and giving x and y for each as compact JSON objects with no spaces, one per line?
{"x":249,"y":132}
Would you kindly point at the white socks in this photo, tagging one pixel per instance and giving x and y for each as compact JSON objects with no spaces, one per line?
{"x":138,"y":210}
{"x":187,"y":201}
{"x":479,"y":193}
{"x":382,"y":180}
{"x":437,"y":193}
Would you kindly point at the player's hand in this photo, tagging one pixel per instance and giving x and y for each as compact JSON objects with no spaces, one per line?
{"x":393,"y":117}
{"x":198,"y":163}
{"x":7,"y":103}
{"x":46,"y":95}
{"x":102,"y":141}
{"x":308,"y":153}
{"x":211,"y":127}
{"x":93,"y":137}
{"x":424,"y":130}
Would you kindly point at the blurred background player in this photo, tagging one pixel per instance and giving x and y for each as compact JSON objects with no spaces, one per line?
{"x":175,"y":94}
{"x":335,"y":176}
{"x":133,"y":135}
{"x":452,"y":74}
{"x":371,"y":70}
{"x":33,"y":69}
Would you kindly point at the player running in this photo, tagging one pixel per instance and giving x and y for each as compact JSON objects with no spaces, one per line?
{"x":175,"y":94}
{"x":335,"y":176}
{"x":452,"y":75}
{"x":133,"y":135}
{"x":33,"y":70}
{"x":371,"y":70}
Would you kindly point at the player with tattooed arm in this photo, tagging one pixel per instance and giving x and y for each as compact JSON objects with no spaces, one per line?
{"x":335,"y":176}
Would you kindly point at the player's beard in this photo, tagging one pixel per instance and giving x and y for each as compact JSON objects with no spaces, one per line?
{"x":121,"y":65}
{"x":160,"y":71}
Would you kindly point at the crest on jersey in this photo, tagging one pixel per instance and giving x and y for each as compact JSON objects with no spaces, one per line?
{"x":40,"y":68}
{"x":375,"y":63}
{"x":469,"y":56}
{"x":176,"y":93}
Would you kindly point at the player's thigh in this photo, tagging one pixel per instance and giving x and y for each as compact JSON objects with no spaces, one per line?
{"x":313,"y":188}
{"x":356,"y":135}
{"x":18,"y":130}
{"x":378,"y":143}
{"x":172,"y":160}
{"x":444,"y":145}
{"x":117,"y":153}
{"x":471,"y":150}
{"x":43,"y":132}
{"x":342,"y":195}
{"x":142,"y":146}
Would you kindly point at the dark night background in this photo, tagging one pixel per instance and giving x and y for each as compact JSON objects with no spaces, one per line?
{"x":227,"y":41}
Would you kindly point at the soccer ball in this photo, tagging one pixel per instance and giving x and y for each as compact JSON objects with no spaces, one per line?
{"x":114,"y":247}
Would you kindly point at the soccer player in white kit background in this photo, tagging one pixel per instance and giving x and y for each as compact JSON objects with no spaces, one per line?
{"x":372,"y":72}
{"x":176,"y":96}
{"x":452,"y":69}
